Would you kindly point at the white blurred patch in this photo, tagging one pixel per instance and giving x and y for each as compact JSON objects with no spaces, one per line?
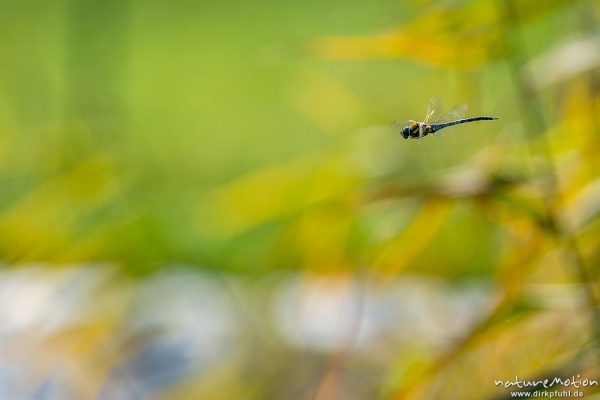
{"x":331,"y":313}
{"x":184,"y":305}
{"x":45,"y":298}
{"x":322,"y":313}
{"x":565,"y":61}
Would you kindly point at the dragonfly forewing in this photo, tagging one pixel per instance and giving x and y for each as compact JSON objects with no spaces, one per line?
{"x":434,"y":109}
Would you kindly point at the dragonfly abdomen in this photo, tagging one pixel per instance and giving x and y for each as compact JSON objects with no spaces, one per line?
{"x":437,"y":127}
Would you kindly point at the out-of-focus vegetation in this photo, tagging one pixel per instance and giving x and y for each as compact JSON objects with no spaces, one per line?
{"x":204,"y":201}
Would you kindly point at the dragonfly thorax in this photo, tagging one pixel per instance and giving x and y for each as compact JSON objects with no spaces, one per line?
{"x":416,"y":130}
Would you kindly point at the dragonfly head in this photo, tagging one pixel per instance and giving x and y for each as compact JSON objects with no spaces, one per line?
{"x":405,"y":132}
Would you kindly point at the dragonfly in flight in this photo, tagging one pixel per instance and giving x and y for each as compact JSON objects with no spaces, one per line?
{"x":434,"y":121}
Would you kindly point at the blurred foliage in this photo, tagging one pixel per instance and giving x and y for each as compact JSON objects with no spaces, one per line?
{"x":250,"y":139}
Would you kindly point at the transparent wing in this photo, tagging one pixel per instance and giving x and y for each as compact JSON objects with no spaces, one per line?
{"x":457,"y":112}
{"x":397,"y":124}
{"x":434,"y":109}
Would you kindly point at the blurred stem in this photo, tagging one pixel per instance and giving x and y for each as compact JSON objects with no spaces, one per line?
{"x":97,"y":59}
{"x":530,"y":106}
{"x":330,"y":384}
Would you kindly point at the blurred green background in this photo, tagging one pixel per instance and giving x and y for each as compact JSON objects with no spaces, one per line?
{"x":204,"y":200}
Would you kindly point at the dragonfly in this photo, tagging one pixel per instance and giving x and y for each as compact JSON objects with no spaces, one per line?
{"x":435,"y":121}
